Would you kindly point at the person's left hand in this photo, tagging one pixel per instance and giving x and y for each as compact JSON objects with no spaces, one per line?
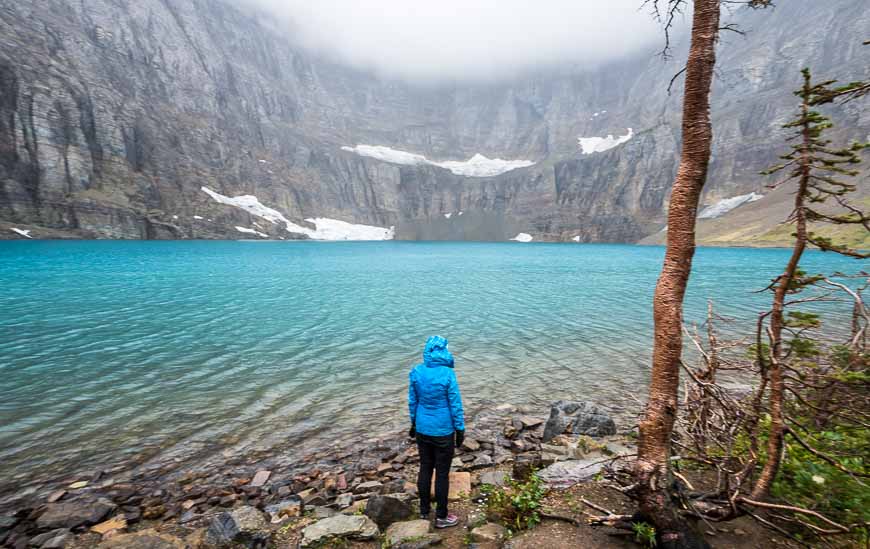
{"x":412,"y":432}
{"x":460,"y":438}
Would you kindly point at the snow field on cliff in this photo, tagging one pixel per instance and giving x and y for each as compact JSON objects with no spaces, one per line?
{"x":590,"y":145}
{"x":326,"y":229}
{"x":726,"y":205}
{"x":476,"y":166}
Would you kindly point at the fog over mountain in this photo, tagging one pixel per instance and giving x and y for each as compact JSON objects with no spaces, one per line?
{"x":460,"y":40}
{"x":220,"y":119}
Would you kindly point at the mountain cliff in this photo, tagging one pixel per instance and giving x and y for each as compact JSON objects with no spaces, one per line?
{"x":115,"y":116}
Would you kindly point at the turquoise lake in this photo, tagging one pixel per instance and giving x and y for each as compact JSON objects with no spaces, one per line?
{"x":117,"y":351}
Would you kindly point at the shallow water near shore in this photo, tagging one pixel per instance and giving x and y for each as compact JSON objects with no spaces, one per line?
{"x":118,"y":352}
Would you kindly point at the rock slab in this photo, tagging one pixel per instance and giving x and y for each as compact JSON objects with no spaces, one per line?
{"x":145,"y":539}
{"x":579,"y":418}
{"x":342,"y":526}
{"x":568,"y":473}
{"x":411,"y":530}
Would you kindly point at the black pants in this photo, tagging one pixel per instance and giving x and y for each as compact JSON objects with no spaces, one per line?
{"x":435,"y":453}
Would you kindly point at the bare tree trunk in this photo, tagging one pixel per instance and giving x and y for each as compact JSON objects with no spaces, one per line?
{"x":656,"y":427}
{"x":783,"y":284}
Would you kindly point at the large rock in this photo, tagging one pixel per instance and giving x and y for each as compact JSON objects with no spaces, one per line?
{"x":71,"y":514}
{"x":412,"y":530}
{"x":144,"y":539}
{"x":385,"y":510}
{"x":358,"y":527}
{"x":460,"y":485}
{"x":567,"y":473}
{"x":580,"y":418}
{"x":245,"y":525}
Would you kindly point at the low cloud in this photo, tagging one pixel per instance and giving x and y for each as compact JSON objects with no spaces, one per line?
{"x":465,"y":39}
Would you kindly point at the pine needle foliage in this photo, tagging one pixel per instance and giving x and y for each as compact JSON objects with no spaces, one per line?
{"x":823,"y":173}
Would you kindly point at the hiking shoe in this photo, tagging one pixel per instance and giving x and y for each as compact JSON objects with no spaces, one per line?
{"x":424,"y":516}
{"x":447,"y":522}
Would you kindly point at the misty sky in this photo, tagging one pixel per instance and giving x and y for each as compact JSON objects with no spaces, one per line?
{"x":459,"y":39}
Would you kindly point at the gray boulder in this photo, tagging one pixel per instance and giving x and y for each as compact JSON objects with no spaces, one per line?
{"x":385,"y":510}
{"x":340,"y":526}
{"x":579,"y":418}
{"x":245,"y":525}
{"x":71,"y":514}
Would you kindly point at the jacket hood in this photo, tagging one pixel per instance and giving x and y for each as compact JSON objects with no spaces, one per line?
{"x":436,"y":353}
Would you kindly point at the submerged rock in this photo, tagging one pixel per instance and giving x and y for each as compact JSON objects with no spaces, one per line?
{"x":70,"y":514}
{"x":56,"y":539}
{"x":358,"y":527}
{"x":579,"y":418}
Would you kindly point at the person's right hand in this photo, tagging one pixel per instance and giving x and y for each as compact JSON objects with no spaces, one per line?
{"x":412,"y":432}
{"x":460,"y":438}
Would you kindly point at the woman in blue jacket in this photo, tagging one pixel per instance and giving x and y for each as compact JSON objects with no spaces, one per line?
{"x":438,"y":424}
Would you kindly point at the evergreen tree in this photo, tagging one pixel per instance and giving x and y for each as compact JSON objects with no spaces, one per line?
{"x":822,"y":176}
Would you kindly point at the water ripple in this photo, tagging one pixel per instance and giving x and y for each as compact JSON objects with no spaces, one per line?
{"x":114,"y":352}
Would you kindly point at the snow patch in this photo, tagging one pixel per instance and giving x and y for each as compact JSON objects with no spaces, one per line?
{"x":476,"y":166}
{"x":22,"y":232}
{"x":590,"y":145}
{"x":251,"y":231}
{"x":197,"y":217}
{"x":724,"y":206}
{"x":448,"y":215}
{"x":481,"y":166}
{"x":326,"y":229}
{"x":460,"y":213}
{"x":576,"y":239}
{"x":333,"y":229}
{"x":522,"y":237}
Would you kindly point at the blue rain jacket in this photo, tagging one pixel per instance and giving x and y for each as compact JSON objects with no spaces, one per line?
{"x":433,"y":392}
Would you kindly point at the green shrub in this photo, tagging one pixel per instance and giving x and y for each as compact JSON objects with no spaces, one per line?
{"x":517,"y":505}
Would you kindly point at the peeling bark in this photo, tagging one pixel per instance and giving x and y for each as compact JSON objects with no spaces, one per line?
{"x":656,"y":427}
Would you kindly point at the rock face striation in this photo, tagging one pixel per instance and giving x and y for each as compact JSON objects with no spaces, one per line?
{"x":115,"y":115}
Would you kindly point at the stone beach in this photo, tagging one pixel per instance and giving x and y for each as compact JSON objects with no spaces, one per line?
{"x":359,"y":493}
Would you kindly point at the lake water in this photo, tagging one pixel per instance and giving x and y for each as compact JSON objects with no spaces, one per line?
{"x":116,"y":351}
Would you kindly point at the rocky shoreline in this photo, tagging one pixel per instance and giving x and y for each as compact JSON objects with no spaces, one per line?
{"x":356,"y":493}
